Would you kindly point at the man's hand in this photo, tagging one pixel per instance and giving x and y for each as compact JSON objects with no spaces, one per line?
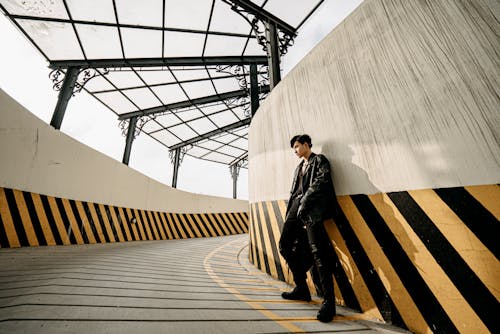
{"x":303,"y":216}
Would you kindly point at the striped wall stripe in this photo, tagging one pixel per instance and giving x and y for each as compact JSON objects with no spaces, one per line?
{"x":457,"y":308}
{"x":406,"y":282}
{"x":425,"y":259}
{"x":29,"y":219}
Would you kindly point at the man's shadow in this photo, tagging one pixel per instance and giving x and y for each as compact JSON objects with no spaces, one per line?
{"x":351,"y":180}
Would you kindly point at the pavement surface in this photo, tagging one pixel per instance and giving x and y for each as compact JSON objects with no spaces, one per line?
{"x":177,"y":286}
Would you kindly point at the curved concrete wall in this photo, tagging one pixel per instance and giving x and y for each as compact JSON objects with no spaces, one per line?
{"x":38,"y":159}
{"x":403,"y":98}
{"x":399,"y":96}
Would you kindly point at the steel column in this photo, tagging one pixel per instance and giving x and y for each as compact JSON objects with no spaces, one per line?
{"x":234,"y":175}
{"x":254,"y":89}
{"x":130,"y":138}
{"x":177,"y":162}
{"x":64,"y":95}
{"x":273,"y":54}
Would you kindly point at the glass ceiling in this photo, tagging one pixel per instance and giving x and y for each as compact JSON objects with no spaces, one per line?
{"x":121,"y":45}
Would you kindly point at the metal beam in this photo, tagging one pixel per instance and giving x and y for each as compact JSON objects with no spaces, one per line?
{"x":265,"y":15}
{"x":177,"y":162}
{"x":190,"y":103}
{"x":64,"y":95}
{"x":130,"y":138}
{"x":240,"y":158}
{"x":254,"y":89}
{"x":273,"y":54}
{"x":154,"y":62}
{"x":226,"y":128}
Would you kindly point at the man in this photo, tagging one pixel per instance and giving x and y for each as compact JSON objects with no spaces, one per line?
{"x":304,"y":240}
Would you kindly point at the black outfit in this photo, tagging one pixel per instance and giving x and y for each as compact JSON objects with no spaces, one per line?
{"x":304,"y":240}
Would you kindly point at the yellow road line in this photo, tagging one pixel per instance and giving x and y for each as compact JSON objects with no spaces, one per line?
{"x":284,"y":322}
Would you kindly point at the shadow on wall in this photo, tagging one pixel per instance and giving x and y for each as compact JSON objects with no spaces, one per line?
{"x":348,"y":275}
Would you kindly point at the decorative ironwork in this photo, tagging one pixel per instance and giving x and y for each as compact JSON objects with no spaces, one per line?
{"x":84,"y":75}
{"x":259,"y":28}
{"x":124,"y":124}
{"x":55,"y":76}
{"x":263,"y":75}
{"x":234,"y":169}
{"x":243,"y":102}
{"x":182,"y":152}
{"x":236,"y":70}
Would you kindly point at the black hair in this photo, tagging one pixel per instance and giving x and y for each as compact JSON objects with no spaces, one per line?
{"x":301,"y":139}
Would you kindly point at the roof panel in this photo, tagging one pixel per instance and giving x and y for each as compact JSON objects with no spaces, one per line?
{"x":151,"y":125}
{"x":99,"y":41}
{"x":232,"y":151}
{"x":223,"y":119}
{"x":198,"y":12}
{"x":225,"y":19}
{"x":218,"y":157}
{"x":156,"y":76}
{"x":183,"y":132}
{"x":168,"y":120}
{"x":117,"y":102}
{"x":213,"y":108}
{"x":142,"y":97}
{"x":198,"y":89}
{"x":144,"y":12}
{"x":53,"y":8}
{"x":182,"y":44}
{"x":124,"y":78}
{"x":86,"y":10}
{"x":189,"y":114}
{"x":226,"y":85}
{"x":224,"y":45}
{"x":290,"y":11}
{"x":169,"y":94}
{"x":141,"y":43}
{"x":189,"y":73}
{"x":97,"y":84}
{"x":202,"y":125}
{"x":198,"y":151}
{"x":210,"y":144}
{"x":56,"y":39}
{"x":166,"y":138}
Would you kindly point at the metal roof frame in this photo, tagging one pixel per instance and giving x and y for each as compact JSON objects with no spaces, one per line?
{"x":193,"y":97}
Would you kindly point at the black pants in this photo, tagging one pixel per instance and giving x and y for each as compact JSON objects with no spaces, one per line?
{"x":302,"y":247}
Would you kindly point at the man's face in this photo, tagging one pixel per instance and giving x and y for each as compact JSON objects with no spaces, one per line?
{"x":300,"y":149}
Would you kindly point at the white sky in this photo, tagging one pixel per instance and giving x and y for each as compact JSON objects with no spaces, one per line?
{"x":24,"y":76}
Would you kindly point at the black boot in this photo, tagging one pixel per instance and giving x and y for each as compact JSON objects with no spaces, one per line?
{"x":327,"y":311}
{"x":300,"y":292}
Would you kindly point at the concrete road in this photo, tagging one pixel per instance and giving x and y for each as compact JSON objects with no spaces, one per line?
{"x":176,"y":286}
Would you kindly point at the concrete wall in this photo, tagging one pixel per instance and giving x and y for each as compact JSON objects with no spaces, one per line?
{"x":38,"y":159}
{"x":401,"y":95}
{"x":403,"y":98}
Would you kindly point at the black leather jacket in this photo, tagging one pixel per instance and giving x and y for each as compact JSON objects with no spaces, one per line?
{"x":318,"y":201}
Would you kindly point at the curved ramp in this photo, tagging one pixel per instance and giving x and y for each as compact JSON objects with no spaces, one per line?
{"x":201,"y":285}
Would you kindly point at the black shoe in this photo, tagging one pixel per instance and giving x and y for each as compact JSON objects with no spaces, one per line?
{"x":326,"y":312}
{"x":298,"y":294}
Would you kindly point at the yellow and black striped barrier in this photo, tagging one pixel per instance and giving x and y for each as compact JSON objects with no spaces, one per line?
{"x":426,"y":260}
{"x":29,"y":219}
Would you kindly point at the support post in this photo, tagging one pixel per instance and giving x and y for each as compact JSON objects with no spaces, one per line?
{"x":273,"y":54}
{"x":64,"y":95}
{"x":254,"y":89}
{"x":130,"y":138}
{"x":234,"y":169}
{"x":177,"y":162}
